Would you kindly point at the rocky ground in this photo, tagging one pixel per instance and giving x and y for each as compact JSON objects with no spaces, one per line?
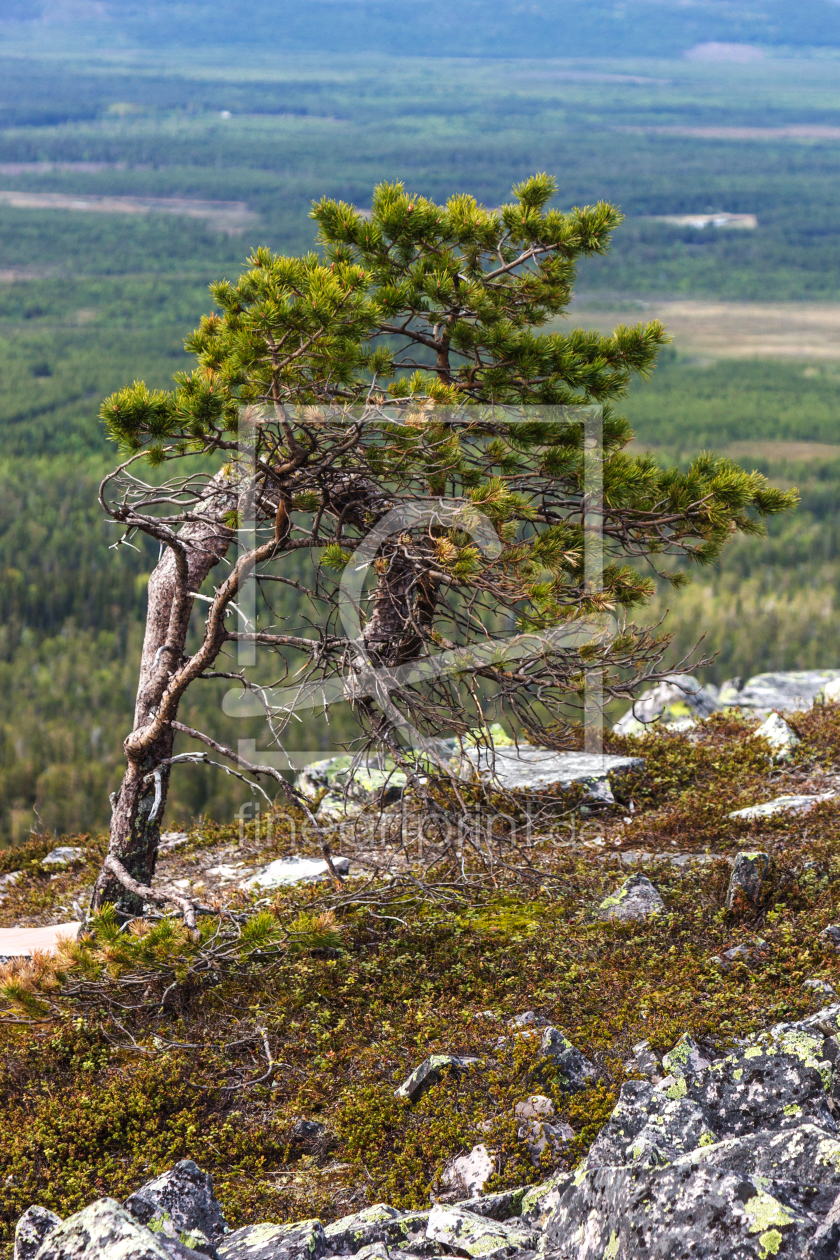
{"x":629,"y":1053}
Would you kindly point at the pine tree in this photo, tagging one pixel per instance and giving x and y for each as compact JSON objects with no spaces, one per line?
{"x":405,"y":369}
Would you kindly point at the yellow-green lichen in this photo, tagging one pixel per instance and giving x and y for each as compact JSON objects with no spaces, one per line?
{"x":769,"y":1242}
{"x":765,"y":1213}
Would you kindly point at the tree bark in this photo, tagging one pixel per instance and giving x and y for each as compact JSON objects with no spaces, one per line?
{"x":138,"y":806}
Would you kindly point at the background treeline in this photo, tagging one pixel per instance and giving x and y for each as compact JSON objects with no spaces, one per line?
{"x":576,"y":28}
{"x":90,"y":301}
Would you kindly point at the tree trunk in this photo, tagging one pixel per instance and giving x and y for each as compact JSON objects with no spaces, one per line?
{"x":139,"y":804}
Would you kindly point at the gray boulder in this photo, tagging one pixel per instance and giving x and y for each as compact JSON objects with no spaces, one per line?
{"x":300,"y":1240}
{"x":635,"y":899}
{"x":429,"y":1073}
{"x":31,"y":1230}
{"x":573,"y":1070}
{"x":532,"y":769}
{"x":466,"y":1233}
{"x":674,"y":1213}
{"x":680,"y":700}
{"x":748,"y":878}
{"x":374,"y":1224}
{"x":181,"y":1204}
{"x":105,"y":1231}
{"x":781,"y":738}
{"x":788,"y":692}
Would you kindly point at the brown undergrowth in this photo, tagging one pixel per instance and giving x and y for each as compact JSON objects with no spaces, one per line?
{"x":136,"y":1048}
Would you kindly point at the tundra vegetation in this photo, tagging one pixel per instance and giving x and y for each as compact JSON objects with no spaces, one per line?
{"x":134,"y":1049}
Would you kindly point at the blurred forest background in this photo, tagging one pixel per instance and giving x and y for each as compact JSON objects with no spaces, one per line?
{"x":215,"y":127}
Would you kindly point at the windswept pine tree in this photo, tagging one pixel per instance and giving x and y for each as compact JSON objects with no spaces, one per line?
{"x":402,"y":399}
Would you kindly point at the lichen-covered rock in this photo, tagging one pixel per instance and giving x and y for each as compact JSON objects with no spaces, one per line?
{"x":573,"y":1070}
{"x":31,"y":1230}
{"x":300,"y":1240}
{"x":821,"y":988}
{"x":675,"y":1212}
{"x":429,"y":1073}
{"x":374,"y":1224}
{"x":468,"y":1234}
{"x":831,"y":935}
{"x":678,"y":699}
{"x":181,"y":1204}
{"x":685,"y":1059}
{"x":105,"y":1231}
{"x":635,"y":899}
{"x":351,"y":786}
{"x":747,"y":881}
{"x":779,"y":736}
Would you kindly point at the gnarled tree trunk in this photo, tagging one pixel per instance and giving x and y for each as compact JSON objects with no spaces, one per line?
{"x":139,"y":804}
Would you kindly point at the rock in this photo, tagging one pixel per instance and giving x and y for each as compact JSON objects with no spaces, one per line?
{"x":105,"y":1231}
{"x":539,"y":1202}
{"x":789,"y":692}
{"x":294,"y":870}
{"x":779,"y":736}
{"x":635,"y":899}
{"x":746,"y":883}
{"x":468,"y":1234}
{"x":467,"y":1175}
{"x":349,"y":789}
{"x":374,"y":1224}
{"x":171,"y":840}
{"x":64,"y":856}
{"x":308,"y":1132}
{"x":300,"y":1240}
{"x":830,"y":693}
{"x":705,"y":1213}
{"x":783,"y":804}
{"x":31,"y":1230}
{"x":645,"y":1061}
{"x":575,"y":1072}
{"x":531,"y":769}
{"x":8,"y":881}
{"x":537,"y":1107}
{"x":527,"y":1020}
{"x":831,"y":935}
{"x":821,"y":987}
{"x":429,"y":1073}
{"x":679,"y":701}
{"x":733,"y":1159}
{"x":181,"y":1204}
{"x":536,"y":1133}
{"x":685,"y":1059}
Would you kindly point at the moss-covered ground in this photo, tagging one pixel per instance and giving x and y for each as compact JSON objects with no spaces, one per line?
{"x":137,"y":1048}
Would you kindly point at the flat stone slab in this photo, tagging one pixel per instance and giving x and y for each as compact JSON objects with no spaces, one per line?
{"x":783,"y":805}
{"x":528,"y":768}
{"x":23,"y":942}
{"x":294,"y":870}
